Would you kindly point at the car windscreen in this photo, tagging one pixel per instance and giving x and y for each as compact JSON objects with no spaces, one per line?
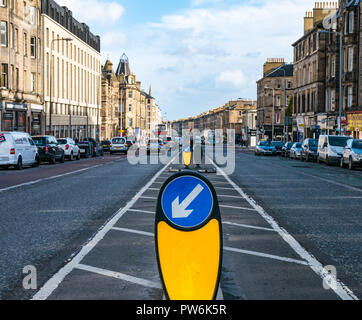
{"x":338,"y":141}
{"x":298,"y":145}
{"x":290,"y":145}
{"x":62,"y":141}
{"x":357,"y":145}
{"x":264,"y":144}
{"x":118,"y":141}
{"x":106,"y":143}
{"x":39,"y":141}
{"x":313,"y":143}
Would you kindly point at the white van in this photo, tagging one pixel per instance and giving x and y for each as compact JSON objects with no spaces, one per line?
{"x":18,"y":149}
{"x":331,"y":148}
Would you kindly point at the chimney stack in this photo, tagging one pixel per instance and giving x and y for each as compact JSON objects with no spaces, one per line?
{"x":272,"y":64}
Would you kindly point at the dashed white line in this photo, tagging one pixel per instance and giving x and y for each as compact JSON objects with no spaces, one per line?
{"x":227,"y":196}
{"x":340,"y":289}
{"x":152,"y":198}
{"x":141,"y":211}
{"x":247,"y":226}
{"x":238,"y":208}
{"x":264,"y":255}
{"x":120,"y":276}
{"x":55,"y":280}
{"x":143,"y":233}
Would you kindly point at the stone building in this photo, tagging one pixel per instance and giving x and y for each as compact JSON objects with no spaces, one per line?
{"x":139,"y":113}
{"x":72,"y":73}
{"x":21,"y":94}
{"x":311,"y":112}
{"x":110,"y":103}
{"x":274,"y":92}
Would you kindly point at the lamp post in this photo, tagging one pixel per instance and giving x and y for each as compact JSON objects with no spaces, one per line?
{"x":51,"y":79}
{"x":267,"y":88}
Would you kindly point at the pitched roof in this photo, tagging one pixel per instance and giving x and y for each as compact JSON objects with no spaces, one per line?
{"x":285,"y":70}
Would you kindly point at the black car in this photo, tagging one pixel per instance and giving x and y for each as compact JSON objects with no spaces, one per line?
{"x":278,"y":146}
{"x":106,"y":145}
{"x":97,"y":149}
{"x":49,"y":149}
{"x":309,"y":150}
{"x":286,"y":149}
{"x":85,"y":148}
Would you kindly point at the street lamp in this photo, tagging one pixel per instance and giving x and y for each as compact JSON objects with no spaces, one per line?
{"x":267,"y":88}
{"x":51,"y":79}
{"x":340,"y":75}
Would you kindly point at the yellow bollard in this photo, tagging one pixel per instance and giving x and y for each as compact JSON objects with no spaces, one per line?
{"x":187,"y":156}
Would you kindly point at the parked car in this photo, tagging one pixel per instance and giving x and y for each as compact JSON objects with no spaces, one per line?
{"x":119,"y":144}
{"x":278,"y":146}
{"x":71,"y":150}
{"x":106,"y":145}
{"x":265,"y":148}
{"x":154,"y":145}
{"x":85,"y":148}
{"x":18,"y":149}
{"x":49,"y":149}
{"x":352,"y":155}
{"x":97,"y":149}
{"x":295,"y":151}
{"x":286,"y":149}
{"x":331,"y":148}
{"x":309,"y":150}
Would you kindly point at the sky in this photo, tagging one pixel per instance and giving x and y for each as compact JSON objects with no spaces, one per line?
{"x":196,"y":54}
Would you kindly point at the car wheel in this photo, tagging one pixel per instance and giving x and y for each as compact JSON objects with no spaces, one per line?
{"x":71,"y":158}
{"x":52,"y":160}
{"x":350,"y":164}
{"x":62,"y":159}
{"x":19,"y":165}
{"x":78,"y":156}
{"x":341,"y":163}
{"x":307,"y":158}
{"x":37,"y":162}
{"x":327,"y":161}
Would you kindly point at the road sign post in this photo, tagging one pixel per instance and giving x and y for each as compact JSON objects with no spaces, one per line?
{"x":188,"y":238}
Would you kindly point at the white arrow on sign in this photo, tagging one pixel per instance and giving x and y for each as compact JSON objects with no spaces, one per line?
{"x":179,"y":209}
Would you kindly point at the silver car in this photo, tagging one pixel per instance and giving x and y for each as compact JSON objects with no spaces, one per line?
{"x":119,"y":144}
{"x":352,"y":154}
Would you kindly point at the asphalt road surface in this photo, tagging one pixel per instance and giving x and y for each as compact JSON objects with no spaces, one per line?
{"x":88,"y":230}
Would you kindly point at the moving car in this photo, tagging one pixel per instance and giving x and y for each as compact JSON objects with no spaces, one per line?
{"x":71,"y":150}
{"x":155,"y":145}
{"x":286,"y":149}
{"x":49,"y":149}
{"x":331,"y":148}
{"x":18,"y":149}
{"x":309,"y":150}
{"x":106,"y":145}
{"x":295,"y":151}
{"x":352,"y":155}
{"x":278,"y":146}
{"x":119,"y":145}
{"x":265,"y":148}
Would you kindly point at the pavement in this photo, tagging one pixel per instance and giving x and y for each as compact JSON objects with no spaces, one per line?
{"x":90,"y":233}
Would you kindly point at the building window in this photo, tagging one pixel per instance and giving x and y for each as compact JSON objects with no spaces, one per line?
{"x":32,"y":15}
{"x":47,"y":37}
{"x":130,"y":108}
{"x":130,"y":122}
{"x":278,"y":102}
{"x":2,"y":3}
{"x":349,"y":96}
{"x":130,"y":94}
{"x":333,"y":66}
{"x":4,"y":76}
{"x":16,"y":40}
{"x":350,"y":59}
{"x":4,"y":34}
{"x":33,"y":47}
{"x":332,"y":101}
{"x":33,"y":82}
{"x":25,"y":45}
{"x":351,"y":22}
{"x":11,"y":35}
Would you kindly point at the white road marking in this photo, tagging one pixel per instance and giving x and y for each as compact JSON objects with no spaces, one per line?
{"x":142,"y":211}
{"x":220,"y":188}
{"x":247,"y":226}
{"x":264,"y":255}
{"x":239,"y":208}
{"x":253,"y":253}
{"x":144,"y":197}
{"x":340,"y":289}
{"x":143,"y":233}
{"x":120,"y":276}
{"x":55,"y":280}
{"x":227,"y":196}
{"x":154,"y":189}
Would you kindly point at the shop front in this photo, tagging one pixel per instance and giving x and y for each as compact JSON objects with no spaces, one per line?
{"x":14,"y":117}
{"x":354,"y":124}
{"x":37,"y":119}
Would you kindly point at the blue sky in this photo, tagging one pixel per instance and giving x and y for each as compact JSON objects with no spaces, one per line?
{"x":196,"y":54}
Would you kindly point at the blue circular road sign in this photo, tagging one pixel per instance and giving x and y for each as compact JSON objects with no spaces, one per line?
{"x":187,"y":202}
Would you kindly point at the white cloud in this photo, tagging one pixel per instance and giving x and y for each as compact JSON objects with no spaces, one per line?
{"x":94,"y":10}
{"x":233,"y":78}
{"x":112,"y":38}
